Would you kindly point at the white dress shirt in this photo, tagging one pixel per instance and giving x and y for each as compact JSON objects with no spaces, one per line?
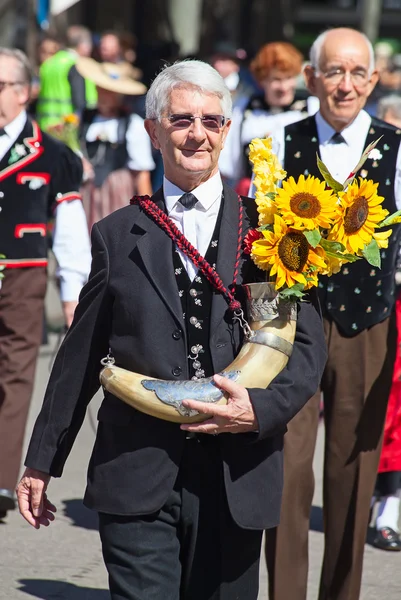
{"x":198,"y":223}
{"x":139,"y":148}
{"x":71,"y":245}
{"x":341,"y":158}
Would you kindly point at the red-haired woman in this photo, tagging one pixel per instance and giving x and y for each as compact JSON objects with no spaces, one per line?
{"x":276,"y":68}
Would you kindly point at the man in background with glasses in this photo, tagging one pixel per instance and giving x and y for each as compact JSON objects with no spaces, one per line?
{"x":39,"y":178}
{"x":357,"y":304}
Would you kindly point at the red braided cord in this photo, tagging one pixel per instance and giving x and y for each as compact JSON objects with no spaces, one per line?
{"x":165,"y":223}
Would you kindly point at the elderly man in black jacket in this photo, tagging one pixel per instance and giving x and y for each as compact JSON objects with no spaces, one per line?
{"x":181,"y":508}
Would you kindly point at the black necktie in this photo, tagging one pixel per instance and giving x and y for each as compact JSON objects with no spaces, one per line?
{"x":2,"y":132}
{"x":337,"y":138}
{"x":188,"y":200}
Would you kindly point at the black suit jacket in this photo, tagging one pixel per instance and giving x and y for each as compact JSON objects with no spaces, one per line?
{"x":131,"y":305}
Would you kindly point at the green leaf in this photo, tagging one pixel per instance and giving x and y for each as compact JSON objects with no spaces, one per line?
{"x":361,"y":162}
{"x":331,"y":182}
{"x":313,"y":237}
{"x":330,"y":246}
{"x":390,"y":219}
{"x":372,"y":253}
{"x":296,"y":291}
{"x":271,"y":195}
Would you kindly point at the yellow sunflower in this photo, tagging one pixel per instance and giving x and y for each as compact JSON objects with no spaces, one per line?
{"x":381,"y":238}
{"x":361,"y":211}
{"x":286,"y":254}
{"x":306,"y":204}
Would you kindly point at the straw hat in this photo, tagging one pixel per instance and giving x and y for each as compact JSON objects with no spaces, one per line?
{"x":117,"y":78}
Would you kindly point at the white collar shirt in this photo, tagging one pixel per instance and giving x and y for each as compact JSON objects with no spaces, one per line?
{"x":198,"y":223}
{"x":12,"y":133}
{"x":342,"y":157}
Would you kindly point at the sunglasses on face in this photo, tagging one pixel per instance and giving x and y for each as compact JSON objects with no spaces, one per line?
{"x":183,"y":121}
{"x":4,"y":84}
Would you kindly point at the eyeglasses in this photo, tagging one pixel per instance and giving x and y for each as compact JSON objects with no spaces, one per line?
{"x":4,"y":84}
{"x":183,"y":121}
{"x":359,"y":77}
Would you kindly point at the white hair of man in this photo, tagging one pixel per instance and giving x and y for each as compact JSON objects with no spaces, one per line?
{"x":390,"y":103}
{"x":24,"y":74}
{"x":316,"y":50}
{"x":186,"y":74}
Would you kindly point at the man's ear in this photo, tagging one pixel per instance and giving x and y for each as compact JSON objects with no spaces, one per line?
{"x":225,"y":133}
{"x":374,"y":78}
{"x":310,"y":79}
{"x":151,"y":128}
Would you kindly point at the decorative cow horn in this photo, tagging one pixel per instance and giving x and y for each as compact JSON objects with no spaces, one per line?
{"x":267,"y":348}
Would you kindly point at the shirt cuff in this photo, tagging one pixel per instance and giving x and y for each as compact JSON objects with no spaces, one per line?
{"x":71,"y":285}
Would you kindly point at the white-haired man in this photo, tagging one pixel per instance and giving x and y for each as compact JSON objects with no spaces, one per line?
{"x":181,"y":508}
{"x":357,"y":304}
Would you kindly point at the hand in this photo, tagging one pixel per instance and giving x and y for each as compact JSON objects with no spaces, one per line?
{"x":68,"y":310}
{"x":237,"y":416}
{"x":88,"y":171}
{"x":32,"y":499}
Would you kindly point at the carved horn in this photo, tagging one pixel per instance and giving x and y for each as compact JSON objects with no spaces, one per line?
{"x":262,"y":356}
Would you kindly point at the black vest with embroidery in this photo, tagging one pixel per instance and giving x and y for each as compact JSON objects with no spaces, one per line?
{"x":36,"y":174}
{"x":196,"y":299}
{"x":105,"y":156}
{"x":360,"y":296}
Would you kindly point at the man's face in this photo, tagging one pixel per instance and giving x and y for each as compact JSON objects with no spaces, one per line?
{"x":47,"y":49}
{"x":110,"y":48}
{"x":108,"y":102}
{"x":279,"y":88}
{"x":224,"y":65}
{"x":343,"y":82}
{"x":13,"y":97}
{"x":192,"y":152}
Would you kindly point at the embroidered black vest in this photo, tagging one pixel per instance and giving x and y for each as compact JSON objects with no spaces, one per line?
{"x":196,"y":299}
{"x":360,"y":295}
{"x":36,"y":174}
{"x":105,"y":156}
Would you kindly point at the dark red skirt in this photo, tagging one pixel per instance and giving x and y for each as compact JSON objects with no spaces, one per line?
{"x":390,"y":459}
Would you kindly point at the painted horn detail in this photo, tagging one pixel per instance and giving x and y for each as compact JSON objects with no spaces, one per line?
{"x":263,"y":355}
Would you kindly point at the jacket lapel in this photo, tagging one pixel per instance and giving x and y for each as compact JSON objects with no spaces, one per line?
{"x":227,"y":251}
{"x":155,"y":248}
{"x":29,"y":143}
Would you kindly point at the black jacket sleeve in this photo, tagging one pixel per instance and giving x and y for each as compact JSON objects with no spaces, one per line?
{"x":298,"y":382}
{"x":75,"y":375}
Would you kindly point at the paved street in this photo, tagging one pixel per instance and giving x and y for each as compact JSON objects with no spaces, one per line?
{"x":64,"y":561}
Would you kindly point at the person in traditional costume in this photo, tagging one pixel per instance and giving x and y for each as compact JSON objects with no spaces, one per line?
{"x":275,"y":68}
{"x":388,"y":482}
{"x":39,"y":180}
{"x":181,"y":507}
{"x":357,"y":304}
{"x":114,"y":141}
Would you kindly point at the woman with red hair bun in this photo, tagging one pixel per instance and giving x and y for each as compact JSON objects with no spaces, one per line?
{"x":276,"y":68}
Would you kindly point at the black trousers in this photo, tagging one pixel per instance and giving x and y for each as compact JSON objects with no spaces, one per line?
{"x":189,"y":550}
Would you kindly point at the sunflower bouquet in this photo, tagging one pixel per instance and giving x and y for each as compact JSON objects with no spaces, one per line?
{"x":311,"y":227}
